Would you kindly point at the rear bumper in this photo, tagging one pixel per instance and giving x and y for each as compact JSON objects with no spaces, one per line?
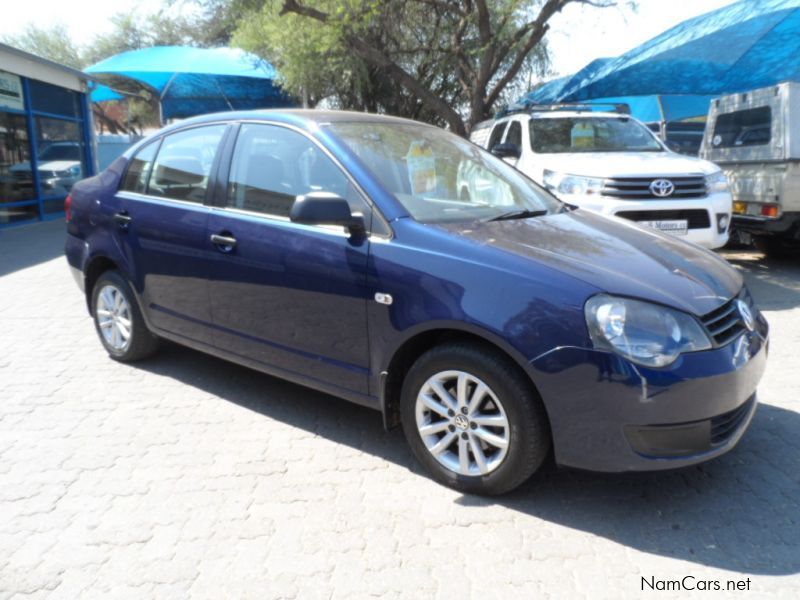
{"x":787,"y":224}
{"x":607,"y":414}
{"x":77,"y":253}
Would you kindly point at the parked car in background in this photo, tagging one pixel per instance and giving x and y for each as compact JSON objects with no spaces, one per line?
{"x":611,"y":163}
{"x":59,"y":167}
{"x":336,"y":250}
{"x":755,"y":138}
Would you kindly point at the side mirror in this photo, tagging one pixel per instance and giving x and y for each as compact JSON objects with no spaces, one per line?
{"x":506,"y":151}
{"x":325,"y":208}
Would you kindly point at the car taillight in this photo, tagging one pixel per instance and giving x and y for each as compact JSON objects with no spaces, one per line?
{"x":68,"y":207}
{"x":769,"y":210}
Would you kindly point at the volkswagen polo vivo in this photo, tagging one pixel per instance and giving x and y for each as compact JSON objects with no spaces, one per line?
{"x":334,"y":250}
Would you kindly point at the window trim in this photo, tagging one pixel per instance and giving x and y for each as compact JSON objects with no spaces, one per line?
{"x":225,"y":169}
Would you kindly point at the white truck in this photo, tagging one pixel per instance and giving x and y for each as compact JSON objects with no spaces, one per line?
{"x":613,"y":164}
{"x":755,"y":138}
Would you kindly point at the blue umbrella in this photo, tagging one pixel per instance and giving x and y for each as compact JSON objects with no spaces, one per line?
{"x":747,"y":45}
{"x":191,"y":81}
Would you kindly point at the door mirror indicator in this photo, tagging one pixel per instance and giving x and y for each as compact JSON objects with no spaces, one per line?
{"x":326,"y":208}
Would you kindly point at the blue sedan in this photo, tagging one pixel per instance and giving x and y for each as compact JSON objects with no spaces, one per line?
{"x":401,"y":267}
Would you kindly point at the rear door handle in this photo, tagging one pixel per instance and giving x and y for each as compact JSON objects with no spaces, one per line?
{"x":225,"y":243}
{"x":122,"y":219}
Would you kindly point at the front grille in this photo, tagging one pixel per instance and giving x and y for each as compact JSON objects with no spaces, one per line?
{"x":697,"y":217}
{"x":723,"y":426}
{"x":638,"y":188}
{"x":725,"y":323}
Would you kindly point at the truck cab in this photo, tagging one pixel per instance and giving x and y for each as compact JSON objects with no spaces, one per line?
{"x":611,"y":163}
{"x":755,"y":138}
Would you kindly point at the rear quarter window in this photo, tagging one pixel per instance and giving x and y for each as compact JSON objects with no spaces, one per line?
{"x":139,"y":169}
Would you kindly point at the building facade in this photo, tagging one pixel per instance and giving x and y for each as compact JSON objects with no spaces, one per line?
{"x":46,"y":137}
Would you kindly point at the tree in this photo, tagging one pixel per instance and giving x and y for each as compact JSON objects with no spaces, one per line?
{"x":455,"y":57}
{"x":53,"y":43}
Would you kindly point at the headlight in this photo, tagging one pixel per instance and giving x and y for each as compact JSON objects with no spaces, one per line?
{"x":571,"y":185}
{"x":647,"y":334}
{"x":716,"y":182}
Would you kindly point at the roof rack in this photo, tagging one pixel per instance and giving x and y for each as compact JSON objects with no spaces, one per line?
{"x":528,"y":107}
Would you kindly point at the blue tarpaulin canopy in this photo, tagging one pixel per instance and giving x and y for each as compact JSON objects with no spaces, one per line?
{"x":191,"y":81}
{"x":747,"y":45}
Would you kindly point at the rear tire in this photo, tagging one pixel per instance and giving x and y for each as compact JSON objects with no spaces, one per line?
{"x":488,"y":439}
{"x":118,"y":320}
{"x":776,"y":247}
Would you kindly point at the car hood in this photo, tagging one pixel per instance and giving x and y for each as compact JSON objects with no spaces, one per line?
{"x":614,"y":256}
{"x":625,"y":164}
{"x":50,"y":165}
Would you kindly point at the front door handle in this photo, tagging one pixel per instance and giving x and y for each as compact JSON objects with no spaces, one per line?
{"x":224,"y":243}
{"x":123,"y":219}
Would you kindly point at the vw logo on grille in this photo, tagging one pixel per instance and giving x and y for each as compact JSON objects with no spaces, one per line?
{"x":662,"y":188}
{"x":746,"y":314}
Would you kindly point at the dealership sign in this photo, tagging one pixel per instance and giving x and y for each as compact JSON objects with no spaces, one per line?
{"x":11,"y":91}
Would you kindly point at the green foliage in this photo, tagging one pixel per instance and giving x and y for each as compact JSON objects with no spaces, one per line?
{"x":53,"y":43}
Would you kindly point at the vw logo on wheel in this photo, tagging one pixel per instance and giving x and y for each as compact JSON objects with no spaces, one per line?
{"x":662,"y":188}
{"x":746,"y":314}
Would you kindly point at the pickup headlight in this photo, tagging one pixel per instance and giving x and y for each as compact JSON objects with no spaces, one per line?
{"x":645,"y":333}
{"x":571,"y":185}
{"x":716,"y":182}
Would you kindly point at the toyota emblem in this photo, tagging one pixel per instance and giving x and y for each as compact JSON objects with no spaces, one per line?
{"x":662,"y":188}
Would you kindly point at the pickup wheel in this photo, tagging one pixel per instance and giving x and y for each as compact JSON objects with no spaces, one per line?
{"x":118,"y":321}
{"x":473,"y":419}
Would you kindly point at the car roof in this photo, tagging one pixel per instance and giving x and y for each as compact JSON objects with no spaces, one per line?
{"x":571,"y":114}
{"x":302,"y":117}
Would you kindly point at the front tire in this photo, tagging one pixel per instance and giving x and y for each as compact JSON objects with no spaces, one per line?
{"x":473,"y":419}
{"x":118,"y":321}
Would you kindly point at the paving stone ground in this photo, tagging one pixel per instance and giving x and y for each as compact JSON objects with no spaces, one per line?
{"x":189,"y":477}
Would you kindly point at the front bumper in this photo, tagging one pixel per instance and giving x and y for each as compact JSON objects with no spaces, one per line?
{"x":714,"y":204}
{"x":608,"y":414}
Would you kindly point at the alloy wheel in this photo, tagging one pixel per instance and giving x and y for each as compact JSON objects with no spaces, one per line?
{"x":462,"y":423}
{"x":114,"y":317}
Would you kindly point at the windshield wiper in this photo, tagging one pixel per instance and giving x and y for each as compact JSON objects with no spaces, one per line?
{"x":518,"y":214}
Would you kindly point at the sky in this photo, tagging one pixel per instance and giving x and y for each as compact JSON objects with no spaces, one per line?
{"x":578,"y":35}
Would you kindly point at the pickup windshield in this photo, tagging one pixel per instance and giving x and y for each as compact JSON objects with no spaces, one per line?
{"x":440,"y":177}
{"x":591,"y":134}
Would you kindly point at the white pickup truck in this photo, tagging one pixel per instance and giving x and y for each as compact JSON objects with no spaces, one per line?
{"x":613,"y":164}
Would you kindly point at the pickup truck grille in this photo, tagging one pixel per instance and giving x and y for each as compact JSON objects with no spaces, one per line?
{"x":638,"y":188}
{"x":697,"y":218}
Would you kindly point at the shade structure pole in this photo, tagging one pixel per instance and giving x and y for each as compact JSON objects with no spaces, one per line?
{"x":663,"y":124}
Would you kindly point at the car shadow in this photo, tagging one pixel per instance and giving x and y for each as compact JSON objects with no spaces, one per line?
{"x":28,"y":245}
{"x":740,"y":512}
{"x":775,"y":283}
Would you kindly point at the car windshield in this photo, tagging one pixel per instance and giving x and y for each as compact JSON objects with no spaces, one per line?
{"x":591,"y":134}
{"x":440,"y":177}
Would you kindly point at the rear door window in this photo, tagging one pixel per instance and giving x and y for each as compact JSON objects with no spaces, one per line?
{"x":183,"y":165}
{"x":139,"y":169}
{"x":497,"y":134}
{"x":750,"y":127}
